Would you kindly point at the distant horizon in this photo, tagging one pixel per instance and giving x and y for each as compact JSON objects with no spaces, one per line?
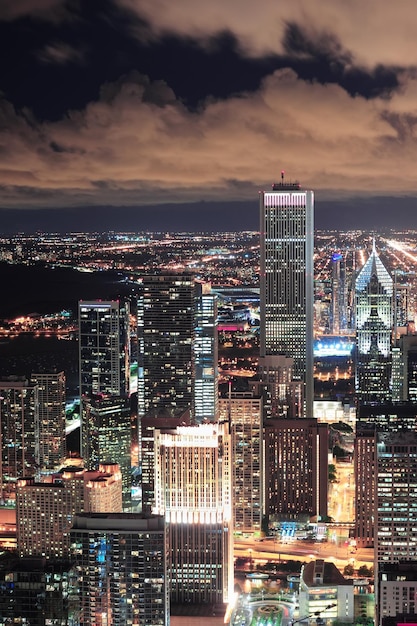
{"x":372,"y":213}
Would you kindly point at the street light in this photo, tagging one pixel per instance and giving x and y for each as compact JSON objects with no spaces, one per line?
{"x":250,"y":559}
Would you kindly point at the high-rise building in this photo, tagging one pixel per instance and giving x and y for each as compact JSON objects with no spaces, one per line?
{"x":19,"y":435}
{"x":206,"y":357}
{"x":193,"y":492}
{"x":396,"y":514}
{"x":121,"y":560}
{"x":106,"y":436}
{"x":339,"y":308}
{"x":244,"y":411}
{"x":103,"y":347}
{"x":148,"y":426}
{"x":166,"y":331}
{"x":365,"y":468}
{"x":374,"y":325}
{"x":296,"y":469}
{"x":396,"y":497}
{"x":45,"y":510}
{"x":286,"y":277}
{"x":51,"y":399}
{"x":407,"y":374}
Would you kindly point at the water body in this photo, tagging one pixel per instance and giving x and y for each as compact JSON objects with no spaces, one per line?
{"x":39,"y":289}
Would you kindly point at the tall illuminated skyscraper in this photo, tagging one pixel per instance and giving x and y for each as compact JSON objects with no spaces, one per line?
{"x":106,"y":437}
{"x":122,"y":564}
{"x":19,"y":435}
{"x":103,"y":347}
{"x":51,"y":398}
{"x":287,"y":249}
{"x":166,"y":329}
{"x":296,"y":469}
{"x":374,"y":325}
{"x":206,"y":389}
{"x":244,"y":410}
{"x":193,"y":492}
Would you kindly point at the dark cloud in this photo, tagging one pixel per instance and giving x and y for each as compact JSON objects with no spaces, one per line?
{"x":320,"y":56}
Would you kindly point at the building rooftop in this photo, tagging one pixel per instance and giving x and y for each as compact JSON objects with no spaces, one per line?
{"x":321,"y":572}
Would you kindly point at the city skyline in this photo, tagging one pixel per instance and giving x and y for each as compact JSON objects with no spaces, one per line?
{"x":115,"y":107}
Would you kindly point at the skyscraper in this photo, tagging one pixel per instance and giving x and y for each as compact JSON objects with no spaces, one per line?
{"x":107,"y":437}
{"x":121,"y":560}
{"x":103,"y":347}
{"x":19,"y":435}
{"x":296,"y":469}
{"x":396,"y":515}
{"x":51,"y":398}
{"x":166,"y":330}
{"x":206,"y":389}
{"x":244,"y":410}
{"x":287,"y":249}
{"x":193,"y":492}
{"x":396,"y":497}
{"x":374,"y":325}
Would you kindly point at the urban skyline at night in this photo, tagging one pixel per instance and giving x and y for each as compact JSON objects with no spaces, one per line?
{"x":118,"y":113}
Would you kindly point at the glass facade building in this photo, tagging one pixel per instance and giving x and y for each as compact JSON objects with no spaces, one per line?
{"x":374,"y":326}
{"x":103,"y":347}
{"x":121,"y":562}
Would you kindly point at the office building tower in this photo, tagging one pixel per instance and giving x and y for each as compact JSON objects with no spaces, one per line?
{"x":339,"y":308}
{"x":364,"y":470}
{"x":45,"y":510}
{"x":146,"y":497}
{"x":296,"y":469}
{"x":407,"y":375}
{"x":166,"y":358}
{"x":244,"y":411}
{"x":19,"y":435}
{"x":374,"y":324}
{"x":51,"y":402}
{"x":103,"y":347}
{"x":401,"y":301}
{"x":121,"y":561}
{"x":193,"y":492}
{"x":106,"y":436}
{"x":286,"y":277}
{"x":206,"y":357}
{"x":396,"y":499}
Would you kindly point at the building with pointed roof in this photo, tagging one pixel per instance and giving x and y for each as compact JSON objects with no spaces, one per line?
{"x":374,"y":321}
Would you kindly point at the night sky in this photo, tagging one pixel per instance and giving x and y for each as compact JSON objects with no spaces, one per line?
{"x":171,"y":115}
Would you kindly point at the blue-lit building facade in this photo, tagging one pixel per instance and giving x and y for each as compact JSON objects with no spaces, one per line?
{"x":206,"y":391}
